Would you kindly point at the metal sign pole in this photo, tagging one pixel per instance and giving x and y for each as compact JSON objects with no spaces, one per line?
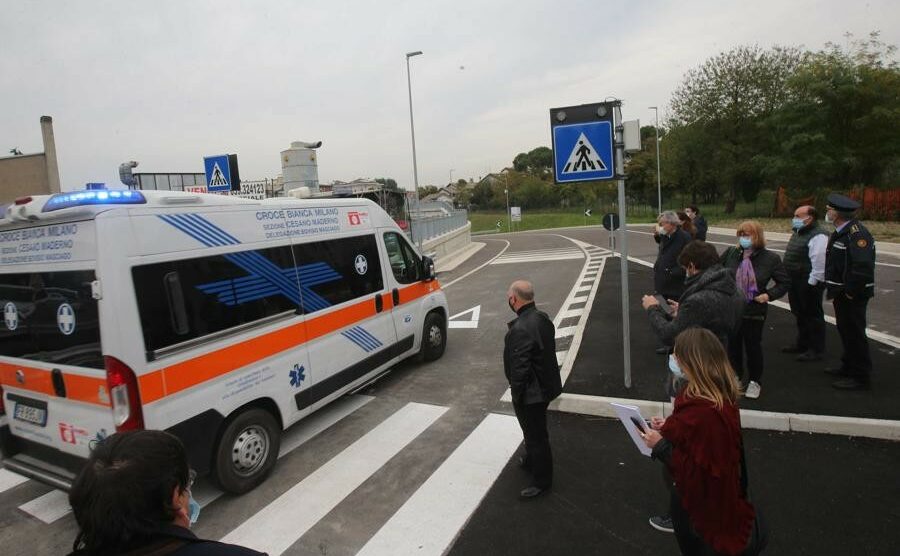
{"x":623,"y":235}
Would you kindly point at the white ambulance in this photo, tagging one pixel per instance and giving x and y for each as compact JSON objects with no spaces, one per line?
{"x":219,"y":319}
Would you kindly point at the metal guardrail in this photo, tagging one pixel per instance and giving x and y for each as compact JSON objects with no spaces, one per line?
{"x":431,"y":227}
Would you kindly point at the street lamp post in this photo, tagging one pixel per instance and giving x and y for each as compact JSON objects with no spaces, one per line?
{"x":508,"y":215}
{"x":412,"y":130}
{"x":658,"y":182}
{"x":451,"y":176}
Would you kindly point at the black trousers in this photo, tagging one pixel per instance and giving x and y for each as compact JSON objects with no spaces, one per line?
{"x":806,"y":305}
{"x":538,"y":457}
{"x":748,"y":339}
{"x":850,"y":315}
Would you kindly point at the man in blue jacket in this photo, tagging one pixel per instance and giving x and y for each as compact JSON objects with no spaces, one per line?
{"x":529,"y":361}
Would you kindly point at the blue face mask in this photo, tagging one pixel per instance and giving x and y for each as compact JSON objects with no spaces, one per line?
{"x":673,"y":366}
{"x":745,"y":242}
{"x":797,"y":223}
{"x":194,"y":508}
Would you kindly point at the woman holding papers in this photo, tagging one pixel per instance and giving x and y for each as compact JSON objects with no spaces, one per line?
{"x":701,"y":445}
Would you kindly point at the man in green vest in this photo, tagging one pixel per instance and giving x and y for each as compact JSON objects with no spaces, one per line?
{"x":804,"y":259}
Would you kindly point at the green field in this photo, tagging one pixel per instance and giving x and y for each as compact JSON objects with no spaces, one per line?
{"x":486,"y":222}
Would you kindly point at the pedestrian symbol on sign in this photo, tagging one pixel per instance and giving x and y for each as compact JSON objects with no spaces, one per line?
{"x":217,"y":177}
{"x":584,"y":158}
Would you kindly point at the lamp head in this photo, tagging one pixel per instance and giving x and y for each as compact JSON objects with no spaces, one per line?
{"x":411,"y":54}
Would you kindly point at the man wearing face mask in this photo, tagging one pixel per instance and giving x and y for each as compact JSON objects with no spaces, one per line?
{"x":133,"y":497}
{"x":668,"y":275}
{"x":804,"y":259}
{"x":529,"y":361}
{"x":850,"y":283}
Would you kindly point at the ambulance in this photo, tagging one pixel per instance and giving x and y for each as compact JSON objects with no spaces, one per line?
{"x":221,"y":320}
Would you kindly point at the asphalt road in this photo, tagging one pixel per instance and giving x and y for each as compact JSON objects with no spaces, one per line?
{"x":419,"y":462}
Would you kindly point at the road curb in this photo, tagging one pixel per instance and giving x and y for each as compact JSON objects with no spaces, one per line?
{"x":750,"y":418}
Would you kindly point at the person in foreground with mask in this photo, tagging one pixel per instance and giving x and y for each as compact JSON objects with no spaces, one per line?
{"x":133,"y":497}
{"x":804,"y":259}
{"x":529,"y":361}
{"x":702,"y":448}
{"x":761,"y":278}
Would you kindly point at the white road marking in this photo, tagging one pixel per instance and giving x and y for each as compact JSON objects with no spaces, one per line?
{"x":49,"y":507}
{"x":277,"y":526}
{"x":298,"y":434}
{"x":472,"y":322}
{"x":565,"y":332}
{"x":560,"y":357}
{"x":479,"y":267}
{"x":432,"y":517}
{"x":540,"y":256}
{"x":570,"y":314}
{"x":8,"y":480}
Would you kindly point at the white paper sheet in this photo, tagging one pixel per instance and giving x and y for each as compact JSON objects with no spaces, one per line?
{"x":626,"y":413}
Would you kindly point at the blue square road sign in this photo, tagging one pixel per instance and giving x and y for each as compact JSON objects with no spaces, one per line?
{"x":583,"y":152}
{"x":218,"y":173}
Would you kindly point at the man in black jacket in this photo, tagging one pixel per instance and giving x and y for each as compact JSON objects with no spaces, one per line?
{"x":529,"y":361}
{"x":850,"y":281}
{"x":668,"y":276}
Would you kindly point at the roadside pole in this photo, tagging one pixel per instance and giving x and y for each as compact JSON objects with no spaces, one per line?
{"x":623,"y":239}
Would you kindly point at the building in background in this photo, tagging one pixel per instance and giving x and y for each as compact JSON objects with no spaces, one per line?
{"x":33,"y":173}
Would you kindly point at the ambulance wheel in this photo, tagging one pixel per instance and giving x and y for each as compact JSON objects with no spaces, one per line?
{"x":434,"y":337}
{"x":247,"y":451}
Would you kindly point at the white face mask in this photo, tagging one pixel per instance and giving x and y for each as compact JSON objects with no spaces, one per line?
{"x":828,"y":218}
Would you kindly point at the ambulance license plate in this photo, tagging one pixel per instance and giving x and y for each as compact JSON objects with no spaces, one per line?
{"x":30,"y":413}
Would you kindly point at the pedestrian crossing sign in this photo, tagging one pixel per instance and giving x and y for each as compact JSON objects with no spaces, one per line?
{"x":218,"y":173}
{"x":583,"y":151}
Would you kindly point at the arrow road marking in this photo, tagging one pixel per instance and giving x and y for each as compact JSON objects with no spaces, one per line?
{"x":472,"y":322}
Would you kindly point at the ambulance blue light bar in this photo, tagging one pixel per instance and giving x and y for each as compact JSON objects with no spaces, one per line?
{"x":93,"y":197}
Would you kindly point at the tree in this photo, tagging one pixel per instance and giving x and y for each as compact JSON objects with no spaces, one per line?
{"x":538,"y":161}
{"x":839,"y":127}
{"x":722,"y":104}
{"x":388,"y":183}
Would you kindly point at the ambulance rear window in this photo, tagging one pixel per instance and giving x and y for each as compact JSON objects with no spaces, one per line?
{"x":50,"y":317}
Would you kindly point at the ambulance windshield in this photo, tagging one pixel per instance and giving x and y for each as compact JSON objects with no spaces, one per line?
{"x":50,"y":317}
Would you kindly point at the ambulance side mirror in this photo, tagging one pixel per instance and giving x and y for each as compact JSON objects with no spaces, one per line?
{"x":428,"y":269}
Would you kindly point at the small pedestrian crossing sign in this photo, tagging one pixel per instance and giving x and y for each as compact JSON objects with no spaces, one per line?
{"x":583,"y":151}
{"x":218,"y":173}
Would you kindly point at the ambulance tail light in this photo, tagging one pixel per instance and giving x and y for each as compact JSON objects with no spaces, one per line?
{"x":123,"y":392}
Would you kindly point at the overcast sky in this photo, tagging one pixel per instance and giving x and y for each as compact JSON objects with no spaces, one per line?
{"x":167,"y":82}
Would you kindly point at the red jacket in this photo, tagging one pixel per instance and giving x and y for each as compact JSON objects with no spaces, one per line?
{"x":705,"y":464}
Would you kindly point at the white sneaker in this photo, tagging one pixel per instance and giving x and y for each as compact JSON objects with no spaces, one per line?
{"x":753,"y":390}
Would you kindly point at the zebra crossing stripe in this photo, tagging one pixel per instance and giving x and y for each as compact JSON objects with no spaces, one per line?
{"x":8,"y":480}
{"x":432,"y":517}
{"x":205,"y":492}
{"x":280,"y":524}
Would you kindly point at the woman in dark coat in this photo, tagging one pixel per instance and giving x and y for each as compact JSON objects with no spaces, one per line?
{"x":761,"y":278}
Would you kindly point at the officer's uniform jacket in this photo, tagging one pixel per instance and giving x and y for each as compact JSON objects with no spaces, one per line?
{"x":850,"y":262}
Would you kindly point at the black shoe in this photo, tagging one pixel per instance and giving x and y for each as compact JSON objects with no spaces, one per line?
{"x":851,"y":383}
{"x":792,"y":349}
{"x":836,"y":371}
{"x":663,"y":350}
{"x":808,"y":356}
{"x":531,"y":492}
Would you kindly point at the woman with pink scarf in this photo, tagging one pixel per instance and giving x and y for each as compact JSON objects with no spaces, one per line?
{"x":761,"y":278}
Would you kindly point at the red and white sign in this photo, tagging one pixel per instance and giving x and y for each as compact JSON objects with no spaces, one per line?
{"x":358,"y":218}
{"x":70,"y":433}
{"x":195,"y":189}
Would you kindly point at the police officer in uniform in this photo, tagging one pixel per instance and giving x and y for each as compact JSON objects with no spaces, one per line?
{"x":850,"y":282}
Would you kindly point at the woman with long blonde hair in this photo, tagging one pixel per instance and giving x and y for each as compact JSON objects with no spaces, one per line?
{"x":702,"y":448}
